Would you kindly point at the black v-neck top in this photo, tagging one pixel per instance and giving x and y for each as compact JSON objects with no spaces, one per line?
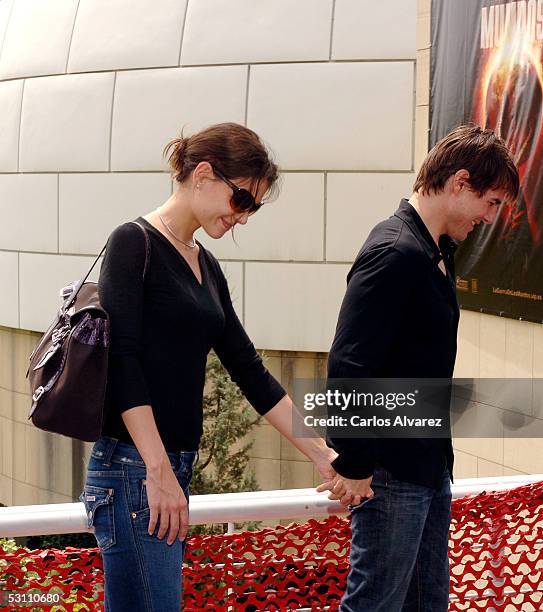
{"x":161,"y":331}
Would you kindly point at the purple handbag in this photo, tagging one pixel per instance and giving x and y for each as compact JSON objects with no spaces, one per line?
{"x":68,"y":367}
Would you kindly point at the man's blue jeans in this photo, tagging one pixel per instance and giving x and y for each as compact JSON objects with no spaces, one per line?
{"x":399,"y":552}
{"x":141,"y":572}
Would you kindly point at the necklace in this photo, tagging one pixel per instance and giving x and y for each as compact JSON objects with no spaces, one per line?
{"x":191,"y":246}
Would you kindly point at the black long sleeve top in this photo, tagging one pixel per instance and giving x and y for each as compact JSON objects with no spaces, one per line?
{"x":162,"y":328}
{"x":399,"y":319}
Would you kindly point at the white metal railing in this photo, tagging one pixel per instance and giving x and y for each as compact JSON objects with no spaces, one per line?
{"x":224,"y":508}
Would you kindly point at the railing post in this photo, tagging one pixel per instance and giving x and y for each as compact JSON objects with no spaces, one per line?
{"x":230,"y":529}
{"x":78,"y":467}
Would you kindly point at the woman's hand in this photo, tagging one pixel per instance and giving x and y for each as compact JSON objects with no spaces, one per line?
{"x":164,"y":493}
{"x":322,"y":461}
{"x":167,"y":500}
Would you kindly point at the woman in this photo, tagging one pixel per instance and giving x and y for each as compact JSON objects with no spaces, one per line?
{"x":166,"y":313}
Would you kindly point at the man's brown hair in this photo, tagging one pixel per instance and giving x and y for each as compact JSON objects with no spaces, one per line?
{"x":483,"y":154}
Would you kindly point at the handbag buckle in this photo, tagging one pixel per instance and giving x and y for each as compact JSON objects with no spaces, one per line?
{"x":68,"y":290}
{"x":35,"y":397}
{"x":38,"y":393}
{"x":59,"y":334}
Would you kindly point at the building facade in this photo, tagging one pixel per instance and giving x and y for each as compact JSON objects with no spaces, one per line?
{"x":92,"y":90}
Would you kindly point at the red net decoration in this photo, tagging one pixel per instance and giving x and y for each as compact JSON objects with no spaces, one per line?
{"x":74,"y":573}
{"x":494,"y":549}
{"x":495,"y":546}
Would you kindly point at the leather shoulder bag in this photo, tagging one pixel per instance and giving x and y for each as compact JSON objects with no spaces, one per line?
{"x":68,"y":367}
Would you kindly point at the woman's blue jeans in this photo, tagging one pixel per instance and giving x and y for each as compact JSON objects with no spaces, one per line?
{"x":399,"y":551}
{"x":141,"y":572}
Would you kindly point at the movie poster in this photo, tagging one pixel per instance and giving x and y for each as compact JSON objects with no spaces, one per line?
{"x":486,"y":68}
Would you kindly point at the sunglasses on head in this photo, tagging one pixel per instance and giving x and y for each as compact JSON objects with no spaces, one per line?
{"x":242,"y":200}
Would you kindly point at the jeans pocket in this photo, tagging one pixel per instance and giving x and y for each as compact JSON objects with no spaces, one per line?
{"x":352,"y":507}
{"x":144,"y":502}
{"x":98,"y":502}
{"x":139,"y":508}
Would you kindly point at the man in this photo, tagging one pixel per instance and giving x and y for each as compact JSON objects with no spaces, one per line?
{"x":399,"y":319}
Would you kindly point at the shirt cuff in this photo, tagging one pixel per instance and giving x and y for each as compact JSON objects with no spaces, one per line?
{"x":354,"y":468}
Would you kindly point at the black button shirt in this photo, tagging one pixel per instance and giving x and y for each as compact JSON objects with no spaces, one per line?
{"x":399,"y":319}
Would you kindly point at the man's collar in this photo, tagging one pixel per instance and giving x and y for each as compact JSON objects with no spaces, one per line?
{"x":447,"y":245}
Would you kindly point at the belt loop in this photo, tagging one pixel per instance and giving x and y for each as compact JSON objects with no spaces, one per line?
{"x":108,"y":452}
{"x":176,"y":460}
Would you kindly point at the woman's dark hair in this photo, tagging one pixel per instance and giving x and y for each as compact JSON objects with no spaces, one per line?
{"x":483,"y":154}
{"x":233,"y":149}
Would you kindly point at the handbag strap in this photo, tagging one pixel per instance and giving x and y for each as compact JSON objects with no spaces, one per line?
{"x":147,"y":247}
{"x":77,"y":287}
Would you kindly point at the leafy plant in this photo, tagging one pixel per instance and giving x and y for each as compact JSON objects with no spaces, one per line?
{"x":8,"y":545}
{"x":224,"y":452}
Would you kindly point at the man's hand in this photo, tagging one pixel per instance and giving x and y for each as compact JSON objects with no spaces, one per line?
{"x":346,"y":490}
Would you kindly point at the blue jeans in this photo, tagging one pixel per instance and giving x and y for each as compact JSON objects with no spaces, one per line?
{"x":399,"y":551}
{"x":141,"y":572}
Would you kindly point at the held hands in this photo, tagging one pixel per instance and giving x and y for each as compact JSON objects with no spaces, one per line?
{"x":167,"y":500}
{"x":346,"y":490}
